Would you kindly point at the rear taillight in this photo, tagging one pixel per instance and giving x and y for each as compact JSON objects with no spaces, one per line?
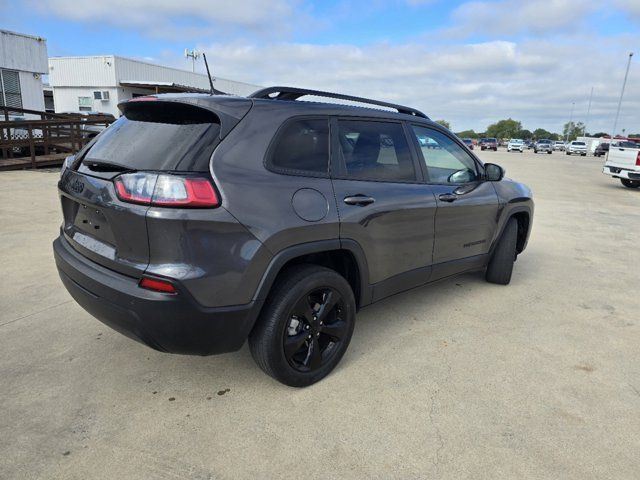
{"x":157,"y":285}
{"x":166,"y":190}
{"x":638,"y":160}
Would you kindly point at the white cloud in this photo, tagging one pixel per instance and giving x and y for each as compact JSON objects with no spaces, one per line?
{"x":516,"y":16}
{"x":470,"y":85}
{"x":184,"y":18}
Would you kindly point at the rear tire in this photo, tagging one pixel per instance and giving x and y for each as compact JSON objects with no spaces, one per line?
{"x":305,"y":325}
{"x":500,"y":266}
{"x":630,"y":183}
{"x":549,"y":153}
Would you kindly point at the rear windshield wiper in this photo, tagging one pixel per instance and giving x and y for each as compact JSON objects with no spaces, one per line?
{"x":98,"y":166}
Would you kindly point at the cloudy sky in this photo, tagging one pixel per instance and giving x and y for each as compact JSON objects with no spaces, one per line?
{"x":471,"y":63}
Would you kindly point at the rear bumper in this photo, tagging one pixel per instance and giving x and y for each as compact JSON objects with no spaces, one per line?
{"x":618,"y":172}
{"x":169,"y":323}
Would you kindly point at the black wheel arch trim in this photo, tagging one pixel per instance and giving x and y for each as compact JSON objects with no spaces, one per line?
{"x":290,"y":253}
{"x":510,"y":210}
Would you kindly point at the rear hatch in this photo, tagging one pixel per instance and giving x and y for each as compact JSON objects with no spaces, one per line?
{"x":107,"y":189}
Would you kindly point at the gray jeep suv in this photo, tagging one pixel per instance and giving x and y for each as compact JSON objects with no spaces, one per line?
{"x":197,"y":221}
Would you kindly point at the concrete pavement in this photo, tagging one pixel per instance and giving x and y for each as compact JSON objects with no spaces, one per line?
{"x":462,"y":379}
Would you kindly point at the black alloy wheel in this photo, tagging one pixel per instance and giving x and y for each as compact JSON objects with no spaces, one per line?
{"x":315,"y":329}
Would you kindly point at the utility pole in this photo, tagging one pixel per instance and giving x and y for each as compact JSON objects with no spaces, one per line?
{"x":624,"y":83}
{"x":566,"y":137}
{"x":193,"y":55}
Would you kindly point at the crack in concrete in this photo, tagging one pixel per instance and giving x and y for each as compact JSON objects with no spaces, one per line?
{"x":34,"y":313}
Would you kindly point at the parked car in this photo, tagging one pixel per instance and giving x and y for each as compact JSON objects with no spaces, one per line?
{"x":489,"y":144}
{"x":559,"y":146}
{"x":601,"y":149}
{"x":529,"y":144}
{"x":468,"y":142}
{"x":623,"y":162}
{"x":575,"y":147}
{"x":198,"y":221}
{"x":515,"y":145}
{"x":543,"y":145}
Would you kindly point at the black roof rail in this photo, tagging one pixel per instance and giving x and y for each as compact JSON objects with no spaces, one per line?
{"x":292,"y":93}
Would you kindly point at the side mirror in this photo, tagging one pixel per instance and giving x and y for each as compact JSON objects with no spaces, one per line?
{"x":461,"y":176}
{"x":493,"y":172}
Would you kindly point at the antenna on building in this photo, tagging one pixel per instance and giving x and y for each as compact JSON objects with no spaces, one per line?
{"x":193,"y":55}
{"x":206,"y":64}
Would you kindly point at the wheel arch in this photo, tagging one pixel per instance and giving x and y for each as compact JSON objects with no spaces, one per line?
{"x":523,"y":216}
{"x":343,"y":256}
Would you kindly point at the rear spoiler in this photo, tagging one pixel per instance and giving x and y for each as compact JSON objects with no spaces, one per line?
{"x":228,"y":110}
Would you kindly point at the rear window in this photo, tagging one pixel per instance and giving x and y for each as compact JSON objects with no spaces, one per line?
{"x":158,"y":136}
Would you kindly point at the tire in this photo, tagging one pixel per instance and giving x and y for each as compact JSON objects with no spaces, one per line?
{"x":567,"y":153}
{"x":535,"y":151}
{"x":293,"y":315}
{"x":583,"y":154}
{"x":495,"y":149}
{"x":549,"y":152}
{"x":501,"y":264}
{"x":630,"y":183}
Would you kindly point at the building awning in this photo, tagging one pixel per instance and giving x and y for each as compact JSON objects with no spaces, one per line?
{"x":165,"y":87}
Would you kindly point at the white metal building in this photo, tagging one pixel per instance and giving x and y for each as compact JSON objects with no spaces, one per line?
{"x":99,"y":83}
{"x":23,"y":61}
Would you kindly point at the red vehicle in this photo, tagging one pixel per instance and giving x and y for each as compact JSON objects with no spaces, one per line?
{"x":489,"y":144}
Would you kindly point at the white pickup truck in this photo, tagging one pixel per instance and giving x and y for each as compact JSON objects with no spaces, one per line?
{"x":623,"y":162}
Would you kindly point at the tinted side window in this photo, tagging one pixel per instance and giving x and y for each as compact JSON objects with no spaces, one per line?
{"x":303,"y":146}
{"x":446,"y":161}
{"x":375,"y":151}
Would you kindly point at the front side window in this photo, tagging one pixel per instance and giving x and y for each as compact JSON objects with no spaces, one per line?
{"x":375,"y":151}
{"x":446,"y":161}
{"x":303,"y":146}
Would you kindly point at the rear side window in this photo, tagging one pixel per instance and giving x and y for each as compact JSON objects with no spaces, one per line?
{"x":375,"y":151}
{"x":302,"y":147}
{"x":158,"y":136}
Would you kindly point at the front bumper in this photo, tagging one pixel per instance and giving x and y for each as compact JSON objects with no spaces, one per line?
{"x":617,"y":172}
{"x":169,"y":323}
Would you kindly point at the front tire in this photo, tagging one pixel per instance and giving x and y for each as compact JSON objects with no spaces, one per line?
{"x":630,"y":183}
{"x":305,"y":326}
{"x":500,"y":266}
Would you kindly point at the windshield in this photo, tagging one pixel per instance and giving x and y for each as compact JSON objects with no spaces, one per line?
{"x":579,"y":143}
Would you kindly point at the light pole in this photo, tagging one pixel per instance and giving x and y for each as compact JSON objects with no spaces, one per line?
{"x":584,"y":129}
{"x":566,"y":137}
{"x":624,"y":83}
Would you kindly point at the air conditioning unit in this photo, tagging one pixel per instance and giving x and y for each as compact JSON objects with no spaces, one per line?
{"x":103,"y":96}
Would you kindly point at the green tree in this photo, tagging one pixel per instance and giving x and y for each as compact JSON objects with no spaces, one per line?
{"x":600,"y":134}
{"x":444,"y":123}
{"x":540,"y":133}
{"x":504,"y":128}
{"x":467,"y":134}
{"x":572,"y":130}
{"x":524,"y":134}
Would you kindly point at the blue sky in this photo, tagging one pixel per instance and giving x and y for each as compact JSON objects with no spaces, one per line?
{"x":470,"y":62}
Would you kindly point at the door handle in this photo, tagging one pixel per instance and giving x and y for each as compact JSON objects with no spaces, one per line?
{"x":359,"y":199}
{"x":448,"y":197}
